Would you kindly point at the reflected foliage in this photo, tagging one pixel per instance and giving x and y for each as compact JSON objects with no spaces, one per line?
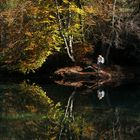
{"x":27,"y":112}
{"x":100,"y":119}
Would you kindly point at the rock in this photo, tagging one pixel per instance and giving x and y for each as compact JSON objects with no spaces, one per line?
{"x":91,"y":76}
{"x":88,"y":69}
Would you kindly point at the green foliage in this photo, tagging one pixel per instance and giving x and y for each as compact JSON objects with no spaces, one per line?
{"x":10,"y":4}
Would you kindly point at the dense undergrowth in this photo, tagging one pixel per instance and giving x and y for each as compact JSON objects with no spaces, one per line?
{"x":31,"y":31}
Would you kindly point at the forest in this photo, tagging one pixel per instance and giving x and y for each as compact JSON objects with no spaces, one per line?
{"x":69,"y":69}
{"x":68,"y":33}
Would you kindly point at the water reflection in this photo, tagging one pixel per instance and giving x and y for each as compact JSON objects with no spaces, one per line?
{"x":100,"y":94}
{"x":29,"y":112}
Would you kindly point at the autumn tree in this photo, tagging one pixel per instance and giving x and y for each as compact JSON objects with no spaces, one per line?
{"x":28,"y":35}
{"x":31,"y":31}
{"x":111,"y":24}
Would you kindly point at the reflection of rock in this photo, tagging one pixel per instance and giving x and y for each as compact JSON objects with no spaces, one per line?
{"x":73,"y":73}
{"x":78,"y":76}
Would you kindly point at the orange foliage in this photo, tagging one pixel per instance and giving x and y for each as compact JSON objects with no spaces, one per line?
{"x":81,"y":51}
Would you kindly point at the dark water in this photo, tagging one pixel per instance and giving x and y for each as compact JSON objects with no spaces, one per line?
{"x":31,"y":111}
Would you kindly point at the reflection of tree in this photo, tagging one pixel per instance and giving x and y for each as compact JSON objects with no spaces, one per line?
{"x":27,"y":113}
{"x":67,"y":124}
{"x":104,"y":122}
{"x":125,"y":126}
{"x":110,"y":124}
{"x":69,"y":107}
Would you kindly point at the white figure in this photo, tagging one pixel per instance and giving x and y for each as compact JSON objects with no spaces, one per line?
{"x":100,"y":94}
{"x":100,"y":60}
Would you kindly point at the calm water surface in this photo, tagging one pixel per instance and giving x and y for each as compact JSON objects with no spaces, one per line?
{"x":51,"y":112}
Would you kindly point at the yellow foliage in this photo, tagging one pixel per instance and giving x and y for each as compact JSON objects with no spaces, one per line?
{"x":77,"y":10}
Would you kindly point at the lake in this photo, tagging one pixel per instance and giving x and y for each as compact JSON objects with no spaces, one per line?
{"x":47,"y":111}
